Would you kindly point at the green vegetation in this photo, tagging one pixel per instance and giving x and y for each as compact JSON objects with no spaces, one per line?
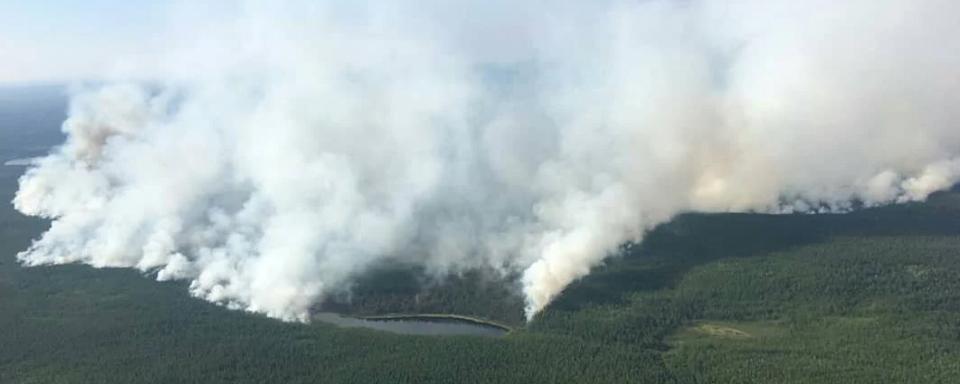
{"x":867,"y":297}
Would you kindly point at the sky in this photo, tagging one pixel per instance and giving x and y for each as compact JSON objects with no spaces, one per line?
{"x":69,"y":40}
{"x":57,"y":41}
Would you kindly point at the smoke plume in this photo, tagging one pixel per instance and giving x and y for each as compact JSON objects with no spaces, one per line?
{"x":281,"y":149}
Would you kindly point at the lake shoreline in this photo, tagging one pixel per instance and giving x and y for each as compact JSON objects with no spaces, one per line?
{"x":429,"y":324}
{"x":437,"y":317}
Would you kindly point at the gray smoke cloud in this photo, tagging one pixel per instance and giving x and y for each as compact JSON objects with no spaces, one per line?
{"x":284,"y":148}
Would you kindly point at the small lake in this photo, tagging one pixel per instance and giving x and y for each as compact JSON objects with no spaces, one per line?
{"x":432,"y":327}
{"x":24,"y":162}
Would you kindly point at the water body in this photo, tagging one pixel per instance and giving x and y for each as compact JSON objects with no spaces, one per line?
{"x":431,"y":327}
{"x":25,"y":162}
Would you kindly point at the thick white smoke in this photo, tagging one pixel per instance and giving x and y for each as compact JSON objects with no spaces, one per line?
{"x":287,"y":147}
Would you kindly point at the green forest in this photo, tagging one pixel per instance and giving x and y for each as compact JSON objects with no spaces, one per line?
{"x":866,"y":297}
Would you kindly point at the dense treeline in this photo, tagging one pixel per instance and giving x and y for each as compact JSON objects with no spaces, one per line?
{"x":872,"y":296}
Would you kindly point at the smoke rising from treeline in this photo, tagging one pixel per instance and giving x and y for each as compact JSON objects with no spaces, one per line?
{"x":283,"y":148}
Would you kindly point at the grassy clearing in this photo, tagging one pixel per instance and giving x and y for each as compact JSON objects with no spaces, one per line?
{"x":721,"y":331}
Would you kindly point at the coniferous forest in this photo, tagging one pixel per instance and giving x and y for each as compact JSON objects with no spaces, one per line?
{"x":865,"y":297}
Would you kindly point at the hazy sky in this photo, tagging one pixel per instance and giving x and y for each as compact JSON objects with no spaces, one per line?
{"x":68,"y":40}
{"x":58,"y":40}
